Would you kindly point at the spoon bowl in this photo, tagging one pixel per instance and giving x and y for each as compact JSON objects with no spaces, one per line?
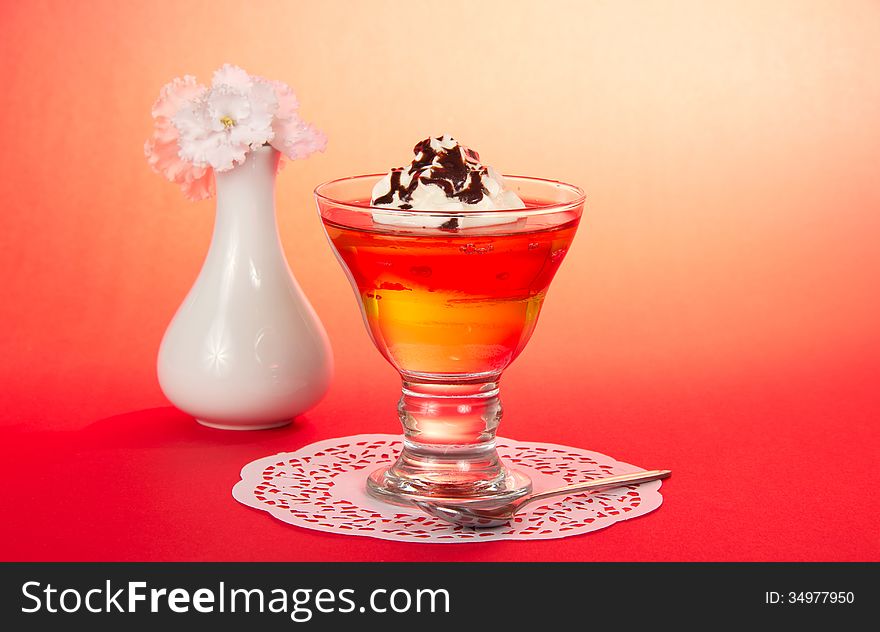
{"x":483,"y":515}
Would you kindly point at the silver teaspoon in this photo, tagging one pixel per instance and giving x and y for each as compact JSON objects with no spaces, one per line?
{"x":479,"y":514}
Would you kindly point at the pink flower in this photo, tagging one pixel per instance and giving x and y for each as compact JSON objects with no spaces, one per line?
{"x":162,"y":148}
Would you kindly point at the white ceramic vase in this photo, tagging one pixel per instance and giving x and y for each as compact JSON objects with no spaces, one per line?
{"x":245,"y":350}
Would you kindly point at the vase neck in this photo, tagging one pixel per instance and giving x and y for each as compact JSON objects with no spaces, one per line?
{"x":254,"y":178}
{"x":246,"y":199}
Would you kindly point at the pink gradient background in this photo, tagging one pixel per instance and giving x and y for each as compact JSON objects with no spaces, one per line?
{"x":717,"y":314}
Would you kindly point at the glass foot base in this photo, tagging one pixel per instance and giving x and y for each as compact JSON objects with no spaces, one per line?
{"x":385,"y":485}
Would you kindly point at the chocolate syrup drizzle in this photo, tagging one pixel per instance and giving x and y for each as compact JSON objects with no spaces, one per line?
{"x":457,"y":171}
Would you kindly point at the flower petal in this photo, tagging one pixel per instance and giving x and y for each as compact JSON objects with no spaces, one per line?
{"x":288,"y":104}
{"x":162,"y":148}
{"x":297,"y":139}
{"x":233,"y":77}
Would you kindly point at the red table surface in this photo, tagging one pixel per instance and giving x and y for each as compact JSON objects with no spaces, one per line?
{"x":717,"y":314}
{"x":98,"y":467}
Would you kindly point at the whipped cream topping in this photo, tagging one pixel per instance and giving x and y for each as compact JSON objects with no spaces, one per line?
{"x":444,"y":176}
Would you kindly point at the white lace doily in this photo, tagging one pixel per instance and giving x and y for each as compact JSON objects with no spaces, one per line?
{"x":322,"y":486}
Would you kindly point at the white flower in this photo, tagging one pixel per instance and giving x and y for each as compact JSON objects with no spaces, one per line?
{"x":235,"y":115}
{"x":200,"y":130}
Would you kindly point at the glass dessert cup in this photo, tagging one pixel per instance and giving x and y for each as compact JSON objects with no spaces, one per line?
{"x":450,"y":299}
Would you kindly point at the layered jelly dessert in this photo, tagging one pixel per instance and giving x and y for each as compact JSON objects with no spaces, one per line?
{"x":450,"y":278}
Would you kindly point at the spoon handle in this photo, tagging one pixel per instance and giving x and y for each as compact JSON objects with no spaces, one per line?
{"x":610,"y":482}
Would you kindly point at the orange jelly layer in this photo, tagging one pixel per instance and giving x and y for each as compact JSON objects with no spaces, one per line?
{"x":452,"y":303}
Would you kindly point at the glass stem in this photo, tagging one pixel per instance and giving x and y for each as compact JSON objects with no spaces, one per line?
{"x":449,"y":436}
{"x":450,"y":415}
